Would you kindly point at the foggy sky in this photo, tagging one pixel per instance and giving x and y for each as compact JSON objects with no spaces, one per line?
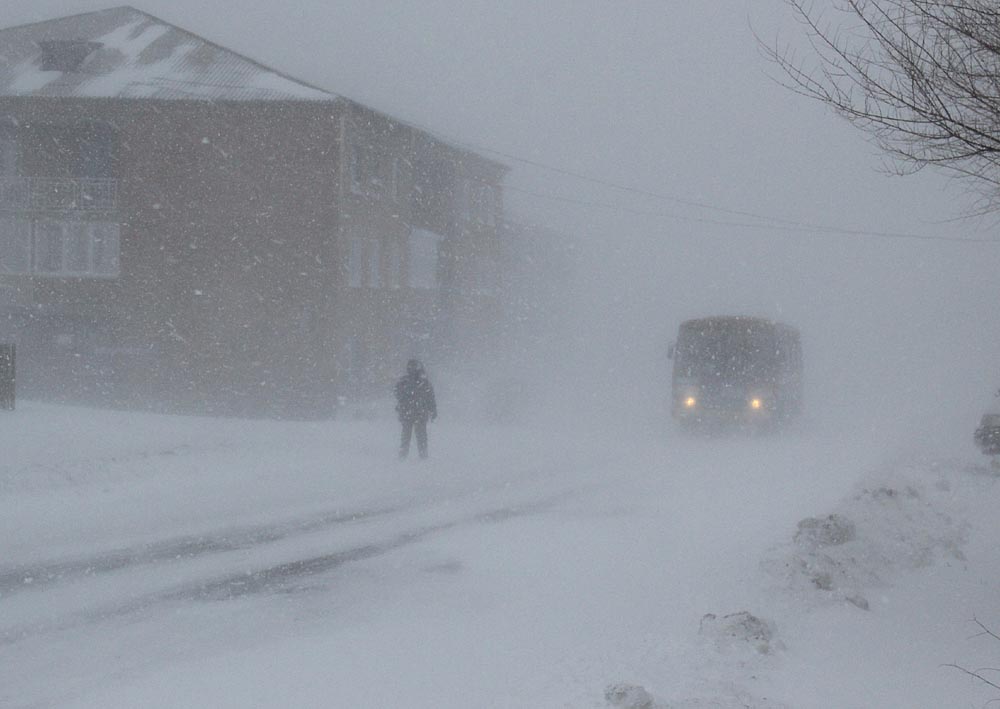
{"x":671,"y":97}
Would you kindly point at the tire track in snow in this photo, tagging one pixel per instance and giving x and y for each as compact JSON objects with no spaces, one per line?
{"x":34,"y":576}
{"x":27,"y":577}
{"x":278,"y":578}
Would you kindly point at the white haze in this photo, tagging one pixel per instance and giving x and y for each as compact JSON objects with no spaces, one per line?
{"x":672,"y":98}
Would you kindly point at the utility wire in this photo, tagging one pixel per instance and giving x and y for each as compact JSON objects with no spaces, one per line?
{"x":638,"y":191}
{"x":772,"y":223}
{"x":803,"y":229}
{"x":776,"y":223}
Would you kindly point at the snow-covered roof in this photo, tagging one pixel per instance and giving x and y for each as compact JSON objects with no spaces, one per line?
{"x":136,"y":55}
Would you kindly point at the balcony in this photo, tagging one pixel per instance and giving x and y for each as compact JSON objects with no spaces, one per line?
{"x":56,"y":194}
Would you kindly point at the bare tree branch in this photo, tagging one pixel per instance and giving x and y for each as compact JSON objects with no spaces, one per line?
{"x":974,"y":674}
{"x":984,"y":630}
{"x":921,"y":76}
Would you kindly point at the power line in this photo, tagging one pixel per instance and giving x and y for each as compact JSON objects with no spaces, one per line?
{"x":773,"y":223}
{"x":636,"y":190}
{"x":808,"y":230}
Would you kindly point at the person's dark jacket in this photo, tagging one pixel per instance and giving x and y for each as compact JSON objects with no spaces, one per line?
{"x":415,"y":397}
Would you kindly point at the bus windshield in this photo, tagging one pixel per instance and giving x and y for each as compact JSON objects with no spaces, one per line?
{"x":733,"y":354}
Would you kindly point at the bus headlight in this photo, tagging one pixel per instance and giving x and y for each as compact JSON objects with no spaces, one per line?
{"x":756,"y":404}
{"x":690,"y":402}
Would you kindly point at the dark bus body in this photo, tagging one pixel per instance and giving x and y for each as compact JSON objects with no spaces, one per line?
{"x":736,"y":371}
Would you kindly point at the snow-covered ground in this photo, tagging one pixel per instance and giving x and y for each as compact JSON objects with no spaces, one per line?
{"x":158,"y":561}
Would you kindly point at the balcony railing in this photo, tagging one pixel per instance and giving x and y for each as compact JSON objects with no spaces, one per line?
{"x":57,"y":194}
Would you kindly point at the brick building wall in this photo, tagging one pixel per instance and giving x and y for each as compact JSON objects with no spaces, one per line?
{"x":241,"y":225}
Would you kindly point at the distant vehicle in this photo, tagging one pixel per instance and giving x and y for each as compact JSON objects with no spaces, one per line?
{"x":736,"y":370}
{"x":987,"y":436}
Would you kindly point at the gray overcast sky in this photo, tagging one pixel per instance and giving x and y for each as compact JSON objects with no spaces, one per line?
{"x":671,"y":96}
{"x":668,"y":95}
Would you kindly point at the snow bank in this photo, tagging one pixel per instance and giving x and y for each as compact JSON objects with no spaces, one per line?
{"x":899,"y":568}
{"x":627,"y":573}
{"x":740,"y":631}
{"x":904,"y":522}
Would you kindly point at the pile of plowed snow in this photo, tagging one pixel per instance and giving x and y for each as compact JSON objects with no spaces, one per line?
{"x":908,"y":520}
{"x":889,"y":538}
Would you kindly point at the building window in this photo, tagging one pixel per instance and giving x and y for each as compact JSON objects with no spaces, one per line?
{"x":372,"y":264}
{"x":98,"y":146}
{"x":354,"y":177}
{"x":395,"y":250}
{"x":485,"y":207}
{"x":355,"y":261}
{"x":362,"y":168}
{"x":395,"y":179}
{"x":105,"y":248}
{"x":77,"y":249}
{"x":402,"y":184}
{"x":15,"y":245}
{"x":425,"y":259}
{"x":363,"y":262}
{"x":8,"y":153}
{"x":49,"y":246}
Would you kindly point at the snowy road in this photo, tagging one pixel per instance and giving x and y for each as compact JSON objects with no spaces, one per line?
{"x":169,"y":561}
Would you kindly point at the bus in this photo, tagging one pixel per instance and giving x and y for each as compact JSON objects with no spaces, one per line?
{"x":736,"y":371}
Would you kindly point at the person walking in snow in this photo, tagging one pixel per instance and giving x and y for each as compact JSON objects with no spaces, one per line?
{"x":415,"y":404}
